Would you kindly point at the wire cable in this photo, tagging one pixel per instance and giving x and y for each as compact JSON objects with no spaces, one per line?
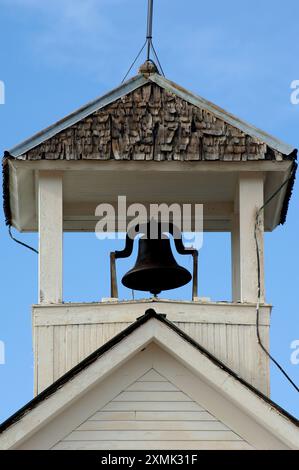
{"x":135,"y":60}
{"x":157,"y":58}
{"x":19,"y":242}
{"x":148,"y":42}
{"x":256,"y":230}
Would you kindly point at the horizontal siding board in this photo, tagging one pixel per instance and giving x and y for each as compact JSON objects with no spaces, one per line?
{"x":152,"y":376}
{"x":152,"y":445}
{"x":152,"y":406}
{"x":113,"y":416}
{"x":153,"y":436}
{"x":152,"y":415}
{"x":151,"y":412}
{"x":175,"y":415}
{"x":152,"y":396}
{"x":152,"y":387}
{"x":152,"y":426}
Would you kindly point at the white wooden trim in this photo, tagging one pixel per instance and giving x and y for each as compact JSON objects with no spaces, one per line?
{"x":247,"y":400}
{"x":227,"y":331}
{"x":128,"y":311}
{"x":206,"y":427}
{"x":249,"y":199}
{"x":50,"y":237}
{"x":216,"y":404}
{"x":215,"y":378}
{"x":235,"y":258}
{"x":104,"y":165}
{"x":26,"y":220}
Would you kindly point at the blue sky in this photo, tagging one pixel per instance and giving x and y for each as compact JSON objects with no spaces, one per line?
{"x":56,"y":55}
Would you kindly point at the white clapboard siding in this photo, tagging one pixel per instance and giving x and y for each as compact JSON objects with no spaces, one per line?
{"x":182,"y":425}
{"x":152,"y":376}
{"x":108,"y":416}
{"x":144,"y":435}
{"x":152,"y":413}
{"x":60,"y":347}
{"x":151,"y":406}
{"x":152,"y":445}
{"x":153,"y":396}
{"x":151,"y":386}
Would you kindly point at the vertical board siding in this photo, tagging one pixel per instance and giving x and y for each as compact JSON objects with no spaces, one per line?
{"x":72,"y":350}
{"x":59,"y":351}
{"x":152,"y":412}
{"x":45,"y":350}
{"x":61,"y":347}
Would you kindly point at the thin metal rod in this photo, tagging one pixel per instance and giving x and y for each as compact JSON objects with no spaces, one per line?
{"x":195,"y":276}
{"x":157,"y":58}
{"x":113,"y":276}
{"x":149,"y":44}
{"x":149,"y":34}
{"x":134,"y":62}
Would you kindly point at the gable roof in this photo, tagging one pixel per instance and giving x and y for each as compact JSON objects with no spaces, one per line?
{"x":135,"y":83}
{"x":117,"y":340}
{"x":148,"y":118}
{"x":78,"y":115}
{"x":152,"y":410}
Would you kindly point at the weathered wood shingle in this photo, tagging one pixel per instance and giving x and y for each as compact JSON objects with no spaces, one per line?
{"x":152,"y":123}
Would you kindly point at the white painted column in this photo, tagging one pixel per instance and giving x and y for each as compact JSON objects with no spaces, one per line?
{"x":249,"y":198}
{"x":235,"y":257}
{"x":50,"y":204}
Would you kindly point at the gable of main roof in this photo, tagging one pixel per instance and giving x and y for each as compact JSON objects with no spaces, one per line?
{"x":117,"y":340}
{"x":150,"y":410}
{"x":151,"y":118}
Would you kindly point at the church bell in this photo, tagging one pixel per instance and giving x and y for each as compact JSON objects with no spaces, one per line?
{"x":155,"y":269}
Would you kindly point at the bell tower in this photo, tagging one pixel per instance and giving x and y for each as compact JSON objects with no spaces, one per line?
{"x":161,"y":144}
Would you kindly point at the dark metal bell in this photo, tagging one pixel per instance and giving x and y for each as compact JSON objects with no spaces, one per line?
{"x":155,"y":269}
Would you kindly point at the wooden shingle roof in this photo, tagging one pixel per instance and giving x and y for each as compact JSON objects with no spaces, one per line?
{"x":151,"y":118}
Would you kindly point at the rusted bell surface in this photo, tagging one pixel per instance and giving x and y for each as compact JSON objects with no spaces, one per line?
{"x":155,"y":269}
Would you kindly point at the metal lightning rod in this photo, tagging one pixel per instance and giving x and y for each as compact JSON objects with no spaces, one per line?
{"x":149,"y":35}
{"x":148,"y":42}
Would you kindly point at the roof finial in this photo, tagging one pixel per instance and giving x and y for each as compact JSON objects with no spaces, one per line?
{"x":149,"y":67}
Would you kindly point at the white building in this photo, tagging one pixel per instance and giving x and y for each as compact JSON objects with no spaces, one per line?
{"x":155,"y":373}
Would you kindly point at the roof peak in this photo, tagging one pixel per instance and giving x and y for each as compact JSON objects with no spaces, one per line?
{"x":148,"y":74}
{"x":150,"y":314}
{"x":148,"y":68}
